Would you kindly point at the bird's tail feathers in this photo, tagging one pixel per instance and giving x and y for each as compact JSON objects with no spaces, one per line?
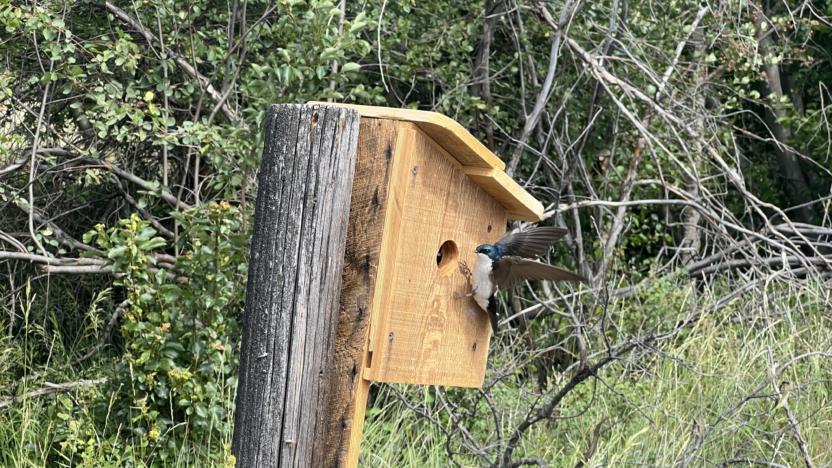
{"x":492,"y":313}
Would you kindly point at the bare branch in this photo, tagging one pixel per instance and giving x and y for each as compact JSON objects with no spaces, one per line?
{"x":216,"y":96}
{"x":50,"y":388}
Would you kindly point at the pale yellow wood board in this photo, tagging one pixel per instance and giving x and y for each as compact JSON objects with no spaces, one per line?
{"x":519,"y":203}
{"x":424,"y":329}
{"x":446,"y":131}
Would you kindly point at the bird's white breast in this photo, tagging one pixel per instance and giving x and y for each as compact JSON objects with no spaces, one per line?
{"x":483,"y":287}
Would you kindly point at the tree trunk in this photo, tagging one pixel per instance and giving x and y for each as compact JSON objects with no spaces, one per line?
{"x":294,"y":285}
{"x":795,"y":184}
{"x":691,"y":241}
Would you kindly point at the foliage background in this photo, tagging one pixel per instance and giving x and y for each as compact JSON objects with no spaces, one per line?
{"x":685,"y":145}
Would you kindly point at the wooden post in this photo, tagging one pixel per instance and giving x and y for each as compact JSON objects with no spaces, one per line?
{"x":294,"y":286}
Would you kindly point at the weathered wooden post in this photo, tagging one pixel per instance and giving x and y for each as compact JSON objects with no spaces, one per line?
{"x":337,"y":301}
{"x":294,"y":284}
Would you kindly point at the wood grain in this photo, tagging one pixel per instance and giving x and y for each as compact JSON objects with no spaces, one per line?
{"x":293,"y":292}
{"x":424,"y":330}
{"x":376,"y":141}
{"x":483,"y":166}
{"x":519,"y":203}
{"x":446,"y":131}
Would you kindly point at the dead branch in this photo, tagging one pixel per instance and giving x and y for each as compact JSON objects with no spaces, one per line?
{"x":532,"y":120}
{"x":50,"y":388}
{"x":216,"y":96}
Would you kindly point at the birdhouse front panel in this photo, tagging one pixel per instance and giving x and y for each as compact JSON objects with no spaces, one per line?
{"x":426,"y":328}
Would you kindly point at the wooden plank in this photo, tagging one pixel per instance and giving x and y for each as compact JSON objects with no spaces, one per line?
{"x":426,"y":331}
{"x":376,"y":142}
{"x":391,"y":239}
{"x":292,"y":297}
{"x":446,"y":131}
{"x":519,"y":203}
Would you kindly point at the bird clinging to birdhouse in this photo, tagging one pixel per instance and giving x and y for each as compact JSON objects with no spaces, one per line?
{"x":512,"y":259}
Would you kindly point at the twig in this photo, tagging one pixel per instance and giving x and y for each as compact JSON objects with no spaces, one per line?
{"x":546,"y":410}
{"x":32,"y":165}
{"x":567,"y":11}
{"x":132,"y":201}
{"x":111,"y":324}
{"x":216,"y":96}
{"x":56,"y":261}
{"x":750,"y":461}
{"x":801,"y":441}
{"x":378,"y":42}
{"x":50,"y":388}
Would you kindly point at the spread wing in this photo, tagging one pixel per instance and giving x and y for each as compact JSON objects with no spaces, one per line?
{"x":511,"y":270}
{"x":531,"y":243}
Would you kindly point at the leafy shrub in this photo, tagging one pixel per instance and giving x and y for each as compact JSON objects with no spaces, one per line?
{"x":176,"y":376}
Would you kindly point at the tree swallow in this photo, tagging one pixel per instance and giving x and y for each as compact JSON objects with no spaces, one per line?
{"x":510,"y":260}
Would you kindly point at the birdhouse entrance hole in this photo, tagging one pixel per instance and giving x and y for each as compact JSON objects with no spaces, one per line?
{"x":447,"y":256}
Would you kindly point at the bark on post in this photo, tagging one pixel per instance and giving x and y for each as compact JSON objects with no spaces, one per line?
{"x":294,"y":285}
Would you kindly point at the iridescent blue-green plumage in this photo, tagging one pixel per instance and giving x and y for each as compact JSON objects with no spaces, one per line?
{"x":512,"y":259}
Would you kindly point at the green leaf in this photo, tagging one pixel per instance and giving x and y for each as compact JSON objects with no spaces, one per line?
{"x":117,"y":252}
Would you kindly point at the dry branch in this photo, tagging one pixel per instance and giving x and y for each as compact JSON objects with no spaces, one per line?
{"x":50,"y":388}
{"x":216,"y":96}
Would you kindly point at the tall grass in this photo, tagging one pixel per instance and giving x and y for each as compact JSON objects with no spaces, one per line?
{"x":78,"y":427}
{"x":706,"y":397}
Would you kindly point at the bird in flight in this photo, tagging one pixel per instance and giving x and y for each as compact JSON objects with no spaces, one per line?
{"x":513,"y":259}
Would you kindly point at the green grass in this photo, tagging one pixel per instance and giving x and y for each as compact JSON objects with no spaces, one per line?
{"x":657,"y":408}
{"x":705,"y":395}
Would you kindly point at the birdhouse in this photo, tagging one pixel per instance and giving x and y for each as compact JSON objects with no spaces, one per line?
{"x":425,"y":194}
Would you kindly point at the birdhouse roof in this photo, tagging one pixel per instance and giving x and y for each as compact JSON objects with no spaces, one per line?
{"x":478,"y":162}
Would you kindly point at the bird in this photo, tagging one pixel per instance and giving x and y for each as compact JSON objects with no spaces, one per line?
{"x":512,"y":259}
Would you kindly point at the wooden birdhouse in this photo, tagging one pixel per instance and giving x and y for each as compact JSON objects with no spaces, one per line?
{"x":443,"y":193}
{"x":424,"y":194}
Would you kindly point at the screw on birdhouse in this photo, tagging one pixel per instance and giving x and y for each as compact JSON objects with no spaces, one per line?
{"x":390,"y":336}
{"x":474,"y":348}
{"x":489,"y":228}
{"x":415,"y":170}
